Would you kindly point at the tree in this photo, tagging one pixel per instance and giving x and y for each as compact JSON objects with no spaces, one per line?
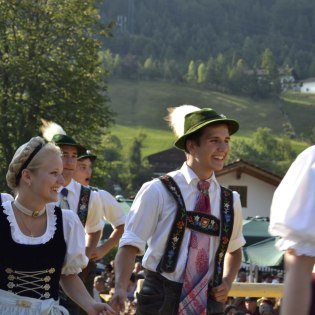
{"x":201,"y":73}
{"x":264,"y":150}
{"x":49,"y":68}
{"x":191,"y":73}
{"x":138,"y":169}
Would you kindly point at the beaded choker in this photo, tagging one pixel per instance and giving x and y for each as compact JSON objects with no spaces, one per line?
{"x":28,"y":211}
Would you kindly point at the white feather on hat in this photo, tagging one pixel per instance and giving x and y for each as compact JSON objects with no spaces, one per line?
{"x":50,"y":128}
{"x":176,"y":117}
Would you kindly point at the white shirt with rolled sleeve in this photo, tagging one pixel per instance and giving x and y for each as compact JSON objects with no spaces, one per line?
{"x":94,"y":220}
{"x":153,"y":212}
{"x":112,"y":211}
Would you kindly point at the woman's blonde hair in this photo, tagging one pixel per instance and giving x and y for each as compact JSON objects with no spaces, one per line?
{"x":31,"y":156}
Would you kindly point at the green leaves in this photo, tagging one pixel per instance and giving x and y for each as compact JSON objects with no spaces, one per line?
{"x":49,"y":68}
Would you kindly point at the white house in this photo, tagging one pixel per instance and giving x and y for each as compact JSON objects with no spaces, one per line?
{"x":255,"y":185}
{"x":308,"y":85}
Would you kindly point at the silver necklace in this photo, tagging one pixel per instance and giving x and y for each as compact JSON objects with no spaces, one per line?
{"x":28,"y":211}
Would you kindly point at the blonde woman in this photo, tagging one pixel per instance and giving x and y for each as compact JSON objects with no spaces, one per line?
{"x":38,"y":249}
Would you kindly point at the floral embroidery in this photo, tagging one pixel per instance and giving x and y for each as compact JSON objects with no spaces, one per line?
{"x":200,"y":222}
{"x":84,"y":204}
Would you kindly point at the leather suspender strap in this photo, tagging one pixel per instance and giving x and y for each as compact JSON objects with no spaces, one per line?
{"x":203,"y":223}
{"x":175,"y":238}
{"x":207,"y":224}
{"x":226,"y":229}
{"x":83,"y":206}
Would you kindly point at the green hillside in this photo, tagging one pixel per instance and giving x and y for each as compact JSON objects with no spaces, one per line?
{"x":142,"y":105}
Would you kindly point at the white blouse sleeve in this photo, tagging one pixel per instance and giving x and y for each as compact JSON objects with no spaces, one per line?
{"x":292,"y":214}
{"x":6,"y":197}
{"x":75,"y":259}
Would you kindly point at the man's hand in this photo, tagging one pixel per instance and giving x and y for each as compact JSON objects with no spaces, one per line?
{"x":97,"y":254}
{"x":220,"y":293}
{"x":118,"y":300}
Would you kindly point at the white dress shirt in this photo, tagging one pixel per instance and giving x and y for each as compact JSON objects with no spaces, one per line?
{"x":153,"y":212}
{"x":75,"y":259}
{"x":112,"y":211}
{"x":94,"y":221}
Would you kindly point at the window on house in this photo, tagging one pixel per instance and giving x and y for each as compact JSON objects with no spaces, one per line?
{"x":242,"y":190}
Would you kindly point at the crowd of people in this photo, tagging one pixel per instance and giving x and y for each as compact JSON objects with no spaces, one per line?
{"x":187,"y":227}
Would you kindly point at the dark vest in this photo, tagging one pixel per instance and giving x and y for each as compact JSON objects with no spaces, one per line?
{"x":200,"y":222}
{"x":31,"y":270}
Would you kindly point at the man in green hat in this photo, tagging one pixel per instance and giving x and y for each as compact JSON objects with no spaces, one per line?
{"x":191,"y":225}
{"x":112,"y":211}
{"x":80,"y":199}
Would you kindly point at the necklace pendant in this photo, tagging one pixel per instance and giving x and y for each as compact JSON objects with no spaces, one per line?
{"x":35,"y":214}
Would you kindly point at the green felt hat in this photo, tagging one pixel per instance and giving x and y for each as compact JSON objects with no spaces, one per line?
{"x":196,"y":120}
{"x":87,"y":155}
{"x":61,"y":139}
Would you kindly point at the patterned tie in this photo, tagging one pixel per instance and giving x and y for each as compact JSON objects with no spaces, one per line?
{"x":196,"y":277}
{"x":64,"y":204}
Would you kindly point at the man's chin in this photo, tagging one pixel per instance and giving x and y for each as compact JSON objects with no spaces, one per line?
{"x":68,"y":175}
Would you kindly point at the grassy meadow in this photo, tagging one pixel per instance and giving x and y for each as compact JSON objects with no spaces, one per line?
{"x":142,"y":105}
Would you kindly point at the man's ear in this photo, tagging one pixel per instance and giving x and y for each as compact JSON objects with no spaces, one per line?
{"x":190,"y":146}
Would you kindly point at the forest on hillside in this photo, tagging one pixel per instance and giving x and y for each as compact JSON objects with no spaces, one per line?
{"x":181,"y":31}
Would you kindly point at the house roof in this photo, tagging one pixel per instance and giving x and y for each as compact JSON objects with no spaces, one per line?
{"x":167,"y":160}
{"x":308,"y":80}
{"x":173,"y":158}
{"x":240,"y":167}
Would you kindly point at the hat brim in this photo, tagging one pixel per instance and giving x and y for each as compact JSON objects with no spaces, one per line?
{"x":92,"y":157}
{"x":233,"y":126}
{"x":81,"y":149}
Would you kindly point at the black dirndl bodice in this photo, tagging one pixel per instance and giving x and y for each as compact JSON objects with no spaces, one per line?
{"x":31,"y":270}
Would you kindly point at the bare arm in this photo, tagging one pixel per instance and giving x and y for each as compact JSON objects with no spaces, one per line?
{"x":75,"y":289}
{"x":124,"y":264}
{"x":111,"y":242}
{"x":232,"y":262}
{"x":92,"y":241}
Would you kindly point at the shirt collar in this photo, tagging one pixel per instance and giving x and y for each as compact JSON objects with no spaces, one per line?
{"x":191,"y":176}
{"x":70,"y":186}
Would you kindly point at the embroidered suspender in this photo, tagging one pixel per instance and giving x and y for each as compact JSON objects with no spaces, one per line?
{"x":169,"y":259}
{"x":203,"y":223}
{"x":83,"y":206}
{"x":226,"y":229}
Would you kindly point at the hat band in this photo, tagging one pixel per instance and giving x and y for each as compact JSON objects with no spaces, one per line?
{"x":27,"y":162}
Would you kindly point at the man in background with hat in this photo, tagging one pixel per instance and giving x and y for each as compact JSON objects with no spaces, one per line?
{"x":112,"y":211}
{"x":251,"y":306}
{"x":78,"y":198}
{"x":192,"y":225}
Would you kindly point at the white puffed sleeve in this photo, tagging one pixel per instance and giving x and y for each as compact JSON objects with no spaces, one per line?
{"x":6,"y":197}
{"x":292,"y":214}
{"x":74,"y":234}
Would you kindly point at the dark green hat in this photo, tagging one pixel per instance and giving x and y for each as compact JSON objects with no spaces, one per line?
{"x":87,"y":155}
{"x":61,"y":139}
{"x":196,"y":120}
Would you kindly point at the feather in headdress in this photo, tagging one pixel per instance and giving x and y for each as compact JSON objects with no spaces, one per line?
{"x":176,"y":117}
{"x":49,"y":129}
